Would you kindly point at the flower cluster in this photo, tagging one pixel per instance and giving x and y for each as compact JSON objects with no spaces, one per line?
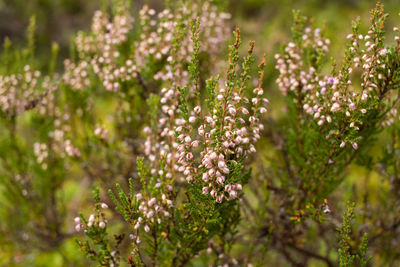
{"x":94,"y":220}
{"x":392,"y":117}
{"x":41,"y":153}
{"x":204,"y":144}
{"x":99,"y":51}
{"x":294,"y":74}
{"x":159,"y":32}
{"x":224,"y":135}
{"x":152,"y":210}
{"x":57,"y":141}
{"x":335,"y":99}
{"x":19,"y":90}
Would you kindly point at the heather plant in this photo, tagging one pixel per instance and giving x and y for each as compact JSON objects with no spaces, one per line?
{"x":117,"y":60}
{"x":64,"y":144}
{"x":193,"y":174}
{"x":331,"y":120}
{"x":167,"y":124}
{"x":32,"y":167}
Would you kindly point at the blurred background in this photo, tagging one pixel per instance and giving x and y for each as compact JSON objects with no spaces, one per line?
{"x":267,"y":22}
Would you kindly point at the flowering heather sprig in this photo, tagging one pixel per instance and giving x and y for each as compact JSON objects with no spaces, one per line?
{"x":148,"y":208}
{"x":205,"y":142}
{"x":19,"y":90}
{"x":164,"y":40}
{"x":20,"y":86}
{"x":331,"y":122}
{"x":95,"y":227}
{"x":57,"y":141}
{"x":334,"y":99}
{"x":100,"y":51}
{"x":193,"y":169}
{"x":159,"y":44}
{"x":33,"y":110}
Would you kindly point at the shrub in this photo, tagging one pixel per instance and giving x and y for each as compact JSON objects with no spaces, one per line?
{"x":155,"y":110}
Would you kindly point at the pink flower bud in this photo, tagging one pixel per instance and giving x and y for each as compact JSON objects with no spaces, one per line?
{"x":335,"y":107}
{"x":152,"y":201}
{"x":233,"y":194}
{"x":150,"y":214}
{"x":354,"y":145}
{"x":137,"y":225}
{"x":211,"y":172}
{"x":195,"y":143}
{"x":189,"y":156}
{"x":225,"y":144}
{"x":221,"y":180}
{"x":213,"y":156}
{"x":205,"y":190}
{"x":225,"y":170}
{"x":221,"y":164}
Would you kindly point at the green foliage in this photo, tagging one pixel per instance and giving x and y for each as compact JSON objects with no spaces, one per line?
{"x":346,"y":258}
{"x":362,"y":258}
{"x":346,"y":254}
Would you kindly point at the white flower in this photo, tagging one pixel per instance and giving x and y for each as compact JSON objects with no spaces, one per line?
{"x":205,"y":190}
{"x":335,"y":107}
{"x":354,"y":145}
{"x":233,"y":194}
